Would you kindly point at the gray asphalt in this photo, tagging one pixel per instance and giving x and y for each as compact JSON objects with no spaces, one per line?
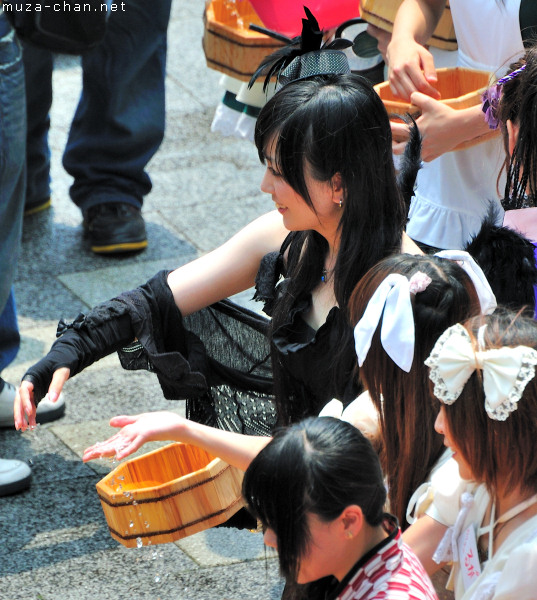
{"x":55,"y":543}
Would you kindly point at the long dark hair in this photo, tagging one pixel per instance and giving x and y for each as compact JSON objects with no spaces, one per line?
{"x":518,"y":103}
{"x":335,"y":124}
{"x":410,"y":446}
{"x":320,"y":466}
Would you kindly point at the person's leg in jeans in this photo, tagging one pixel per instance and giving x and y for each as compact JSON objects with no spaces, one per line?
{"x":14,"y":474}
{"x":38,"y":64}
{"x":119,"y":125}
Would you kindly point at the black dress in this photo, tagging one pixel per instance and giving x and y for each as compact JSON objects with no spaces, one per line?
{"x":220,"y":358}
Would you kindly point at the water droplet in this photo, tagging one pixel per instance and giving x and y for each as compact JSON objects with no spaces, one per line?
{"x":122,"y":477}
{"x":157,"y":578}
{"x":146,"y":524}
{"x":139,"y":542}
{"x":131,"y":524}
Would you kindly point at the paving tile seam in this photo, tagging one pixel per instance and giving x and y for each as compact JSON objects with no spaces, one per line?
{"x":239,"y":560}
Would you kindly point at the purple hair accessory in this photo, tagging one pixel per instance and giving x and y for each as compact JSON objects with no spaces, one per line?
{"x":491,"y":98}
{"x":512,"y":75}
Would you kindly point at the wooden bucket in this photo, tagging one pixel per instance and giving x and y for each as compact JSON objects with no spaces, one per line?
{"x":168,"y":494}
{"x":381,"y":13}
{"x":229,"y":45}
{"x":459,"y":88}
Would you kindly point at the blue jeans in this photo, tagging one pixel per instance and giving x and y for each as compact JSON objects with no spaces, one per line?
{"x":9,"y":333}
{"x":12,"y":182}
{"x":119,"y":122}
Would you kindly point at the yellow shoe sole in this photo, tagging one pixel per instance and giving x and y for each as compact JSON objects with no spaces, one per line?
{"x":119,"y":248}
{"x":37,"y":209}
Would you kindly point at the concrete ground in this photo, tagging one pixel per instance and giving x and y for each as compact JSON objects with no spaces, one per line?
{"x":55,"y":540}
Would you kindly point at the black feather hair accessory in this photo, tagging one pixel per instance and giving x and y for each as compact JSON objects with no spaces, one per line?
{"x":304,"y":56}
{"x":410,"y":162}
{"x":507,"y":258}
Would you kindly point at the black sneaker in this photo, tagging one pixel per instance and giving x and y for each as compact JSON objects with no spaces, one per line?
{"x":115,"y":227}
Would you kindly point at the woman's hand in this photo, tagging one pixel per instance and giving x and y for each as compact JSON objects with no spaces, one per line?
{"x":442,"y":128}
{"x":410,"y":69}
{"x":439,"y":126}
{"x":24,"y":408}
{"x":136,"y":430}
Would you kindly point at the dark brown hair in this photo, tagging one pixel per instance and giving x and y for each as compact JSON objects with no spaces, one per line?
{"x":501,"y":454}
{"x":410,"y":445}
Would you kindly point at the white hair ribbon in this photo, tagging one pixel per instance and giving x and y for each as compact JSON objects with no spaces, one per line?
{"x":506,"y":371}
{"x":487,"y":299}
{"x":391,"y":301}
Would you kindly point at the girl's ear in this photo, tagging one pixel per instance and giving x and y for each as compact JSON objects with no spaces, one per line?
{"x":512,"y":135}
{"x":338,"y":190}
{"x":352,"y":521}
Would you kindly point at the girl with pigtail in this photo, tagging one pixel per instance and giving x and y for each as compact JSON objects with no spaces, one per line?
{"x":511,"y":105}
{"x":400,"y":307}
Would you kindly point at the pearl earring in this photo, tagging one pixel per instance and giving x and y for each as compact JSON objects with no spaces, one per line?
{"x":348,"y":535}
{"x":340,"y":203}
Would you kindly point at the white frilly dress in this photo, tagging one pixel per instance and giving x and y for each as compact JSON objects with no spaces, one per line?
{"x":453,"y":190}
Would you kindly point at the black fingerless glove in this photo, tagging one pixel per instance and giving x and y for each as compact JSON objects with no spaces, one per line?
{"x":106,"y":329}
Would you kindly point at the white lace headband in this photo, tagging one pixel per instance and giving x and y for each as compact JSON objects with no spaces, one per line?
{"x":506,"y":371}
{"x":487,"y":299}
{"x":391,"y":302}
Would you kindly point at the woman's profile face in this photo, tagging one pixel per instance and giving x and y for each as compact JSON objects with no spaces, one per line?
{"x":296,"y":213}
{"x":317,"y":561}
{"x":442,"y":427}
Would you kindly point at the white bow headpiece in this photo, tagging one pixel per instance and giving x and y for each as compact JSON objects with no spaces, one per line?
{"x":506,"y":371}
{"x":487,"y":299}
{"x":391,"y":301}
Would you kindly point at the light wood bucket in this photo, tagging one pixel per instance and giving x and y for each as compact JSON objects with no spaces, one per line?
{"x":459,"y":88}
{"x":229,"y":45}
{"x":168,"y":494}
{"x":381,"y":13}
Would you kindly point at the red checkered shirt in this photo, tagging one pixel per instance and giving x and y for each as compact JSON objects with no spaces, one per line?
{"x":390,"y":571}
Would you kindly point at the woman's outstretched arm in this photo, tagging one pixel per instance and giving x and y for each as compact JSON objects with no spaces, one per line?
{"x":234,"y":448}
{"x":229,"y":269}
